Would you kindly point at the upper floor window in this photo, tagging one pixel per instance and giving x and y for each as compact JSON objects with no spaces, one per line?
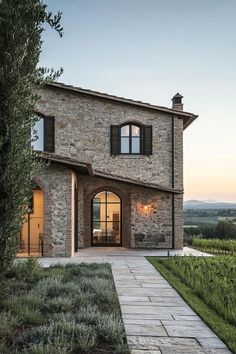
{"x":131,"y":139}
{"x":44,"y":129}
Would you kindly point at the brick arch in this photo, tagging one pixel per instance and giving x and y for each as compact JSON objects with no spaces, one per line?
{"x":125,"y":211}
{"x":47,"y":211}
{"x":108,"y":188}
{"x":132,"y":121}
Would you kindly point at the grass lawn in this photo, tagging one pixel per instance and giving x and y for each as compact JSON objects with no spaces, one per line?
{"x":208,"y":285}
{"x":61,"y":309}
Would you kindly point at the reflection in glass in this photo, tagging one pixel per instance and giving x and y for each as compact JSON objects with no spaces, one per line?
{"x":135,"y":145}
{"x":130,"y":139}
{"x":125,"y":130}
{"x":124,"y":145}
{"x":38,"y":128}
{"x":135,"y":130}
{"x":106,"y":219}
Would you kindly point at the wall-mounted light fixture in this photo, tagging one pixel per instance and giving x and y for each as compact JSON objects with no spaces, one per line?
{"x":144,"y":209}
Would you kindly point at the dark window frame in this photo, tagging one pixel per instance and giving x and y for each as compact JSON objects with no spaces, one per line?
{"x":106,"y":203}
{"x":48,"y":132}
{"x":131,"y":137}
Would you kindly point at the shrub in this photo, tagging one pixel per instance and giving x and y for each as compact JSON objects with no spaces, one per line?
{"x":58,"y":304}
{"x":54,"y":348}
{"x":28,"y":270}
{"x":8,"y":324}
{"x":110,"y":329}
{"x":68,"y":334}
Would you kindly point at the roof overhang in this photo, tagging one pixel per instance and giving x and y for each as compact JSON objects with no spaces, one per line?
{"x":188,"y":117}
{"x":86,"y":169}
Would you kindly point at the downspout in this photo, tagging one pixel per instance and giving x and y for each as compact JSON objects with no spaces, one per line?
{"x":173,"y":180}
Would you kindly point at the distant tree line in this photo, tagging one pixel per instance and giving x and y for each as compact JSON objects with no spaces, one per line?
{"x":224,"y":230}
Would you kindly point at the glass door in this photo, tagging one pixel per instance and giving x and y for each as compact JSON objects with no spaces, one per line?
{"x":31,"y":236}
{"x":106,"y":219}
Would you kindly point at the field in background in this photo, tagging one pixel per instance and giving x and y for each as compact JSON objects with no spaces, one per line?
{"x":200,"y":217}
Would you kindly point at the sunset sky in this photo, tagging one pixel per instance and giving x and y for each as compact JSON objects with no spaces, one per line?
{"x":150,"y":49}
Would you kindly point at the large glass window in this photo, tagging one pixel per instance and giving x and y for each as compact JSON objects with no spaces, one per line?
{"x":130,"y":139}
{"x":38,"y":129}
{"x":30,"y":242}
{"x":106,"y":219}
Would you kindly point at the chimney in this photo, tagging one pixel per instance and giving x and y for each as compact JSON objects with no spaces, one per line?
{"x":177,"y":102}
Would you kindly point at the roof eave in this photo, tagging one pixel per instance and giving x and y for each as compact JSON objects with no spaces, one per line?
{"x":104,"y":96}
{"x":86,"y":169}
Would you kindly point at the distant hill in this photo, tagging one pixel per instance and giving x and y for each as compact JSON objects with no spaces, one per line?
{"x":200,"y":204}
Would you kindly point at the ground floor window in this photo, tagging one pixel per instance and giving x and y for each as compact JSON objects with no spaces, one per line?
{"x":106,"y":219}
{"x":31,"y":235}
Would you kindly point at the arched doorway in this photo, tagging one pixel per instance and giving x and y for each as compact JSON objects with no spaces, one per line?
{"x":31,"y":235}
{"x":106,"y":219}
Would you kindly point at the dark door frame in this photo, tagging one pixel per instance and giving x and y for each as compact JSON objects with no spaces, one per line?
{"x":120,"y":222}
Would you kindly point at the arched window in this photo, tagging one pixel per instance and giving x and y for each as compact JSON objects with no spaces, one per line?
{"x":106,"y":219}
{"x":130,"y":139}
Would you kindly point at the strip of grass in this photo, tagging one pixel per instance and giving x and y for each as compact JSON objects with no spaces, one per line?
{"x":63,"y":309}
{"x":224,"y":330}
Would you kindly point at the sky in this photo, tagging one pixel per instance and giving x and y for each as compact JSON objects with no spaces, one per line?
{"x":149,"y":50}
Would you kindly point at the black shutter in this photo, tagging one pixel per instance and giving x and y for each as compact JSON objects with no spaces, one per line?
{"x":147,"y":139}
{"x":49,"y":134}
{"x":115,"y":140}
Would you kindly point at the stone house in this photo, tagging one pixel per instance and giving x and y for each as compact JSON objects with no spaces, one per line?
{"x":113,"y":174}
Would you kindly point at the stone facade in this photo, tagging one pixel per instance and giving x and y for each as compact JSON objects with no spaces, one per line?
{"x":82,"y":126}
{"x":150,"y":218}
{"x":56,"y":183}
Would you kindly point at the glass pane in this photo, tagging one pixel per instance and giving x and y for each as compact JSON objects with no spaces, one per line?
{"x":113,"y":232}
{"x":100,"y":197}
{"x":38,"y":145}
{"x":113,"y":212}
{"x":96,"y":211}
{"x":99,"y":233}
{"x":112,"y":198}
{"x":135,"y":130}
{"x":36,"y":231}
{"x":135,"y":145}
{"x":125,"y":130}
{"x":124,"y":145}
{"x":30,"y":238}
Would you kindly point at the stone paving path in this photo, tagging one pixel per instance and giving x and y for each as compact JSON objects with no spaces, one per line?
{"x":156,"y":318}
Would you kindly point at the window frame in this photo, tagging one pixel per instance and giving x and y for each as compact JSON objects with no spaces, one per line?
{"x":131,"y":137}
{"x":48,"y":133}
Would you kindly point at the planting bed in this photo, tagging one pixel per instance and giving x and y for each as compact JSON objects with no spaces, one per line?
{"x":62,"y":309}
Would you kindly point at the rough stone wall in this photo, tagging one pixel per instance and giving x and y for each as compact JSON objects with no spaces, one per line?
{"x":151,"y":219}
{"x":178,"y":152}
{"x":179,"y":223}
{"x":82,"y":131}
{"x":141,"y":228}
{"x":55,"y":182}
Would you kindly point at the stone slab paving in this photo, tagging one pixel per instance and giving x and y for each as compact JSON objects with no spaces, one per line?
{"x":156,"y":319}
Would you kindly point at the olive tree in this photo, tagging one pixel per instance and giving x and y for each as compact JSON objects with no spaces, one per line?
{"x":21,"y":26}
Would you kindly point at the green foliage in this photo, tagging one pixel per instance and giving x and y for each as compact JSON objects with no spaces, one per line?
{"x":21,"y":26}
{"x":215,"y":245}
{"x":70,"y":309}
{"x":213,"y":279}
{"x":224,"y":230}
{"x":110,"y":329}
